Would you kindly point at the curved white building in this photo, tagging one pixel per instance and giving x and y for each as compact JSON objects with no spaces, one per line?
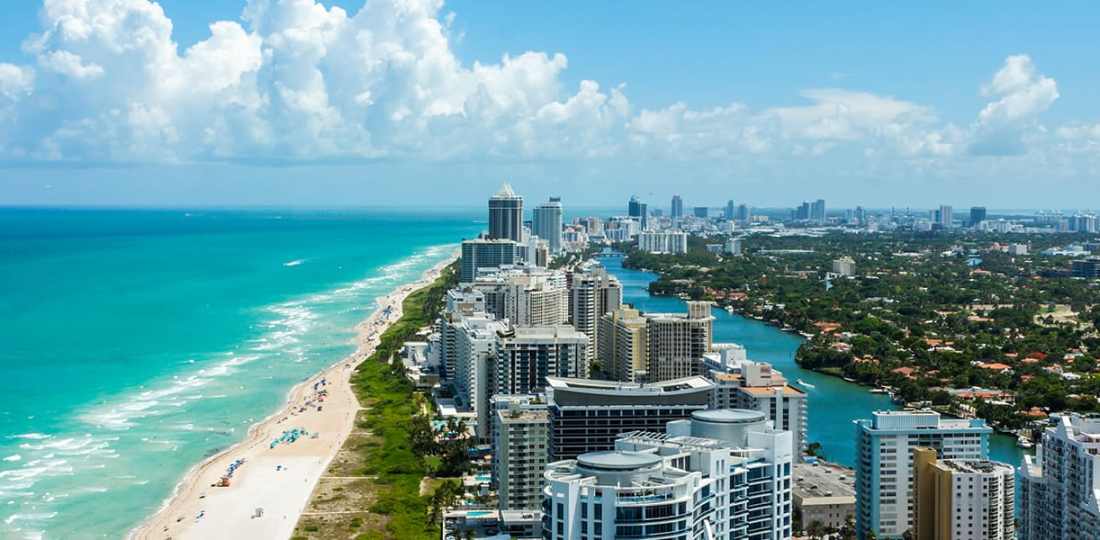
{"x":724,"y":474}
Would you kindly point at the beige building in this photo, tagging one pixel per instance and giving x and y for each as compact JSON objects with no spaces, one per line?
{"x":623,"y":345}
{"x":592,"y":294}
{"x":962,"y":499}
{"x":678,"y":341}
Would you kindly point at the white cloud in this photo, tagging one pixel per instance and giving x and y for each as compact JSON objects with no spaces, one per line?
{"x":295,"y":80}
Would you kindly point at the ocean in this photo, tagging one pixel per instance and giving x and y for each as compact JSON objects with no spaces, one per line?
{"x":134,"y":343}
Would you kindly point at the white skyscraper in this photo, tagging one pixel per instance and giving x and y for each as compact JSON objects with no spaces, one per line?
{"x":1060,"y":485}
{"x":547,"y":223}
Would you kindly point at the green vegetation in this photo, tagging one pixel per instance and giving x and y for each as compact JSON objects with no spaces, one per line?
{"x":931,"y":315}
{"x":395,"y":458}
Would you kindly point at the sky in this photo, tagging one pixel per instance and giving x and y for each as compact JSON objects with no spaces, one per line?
{"x":421,"y":102}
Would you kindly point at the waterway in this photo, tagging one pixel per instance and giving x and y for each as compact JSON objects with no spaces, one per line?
{"x":833,"y":403}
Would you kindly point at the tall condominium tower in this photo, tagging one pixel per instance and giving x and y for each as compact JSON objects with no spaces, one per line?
{"x":547,"y":223}
{"x":817,"y":211}
{"x":677,"y":210}
{"x":621,"y":347}
{"x":521,"y":433}
{"x":677,"y":342}
{"x":1060,"y":484}
{"x":730,"y":212}
{"x":594,"y":292}
{"x":637,"y":209}
{"x":527,"y":356}
{"x":884,"y":468}
{"x":962,"y":499}
{"x":977,"y":215}
{"x":506,"y":215}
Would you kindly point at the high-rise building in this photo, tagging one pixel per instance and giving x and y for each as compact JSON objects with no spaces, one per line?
{"x":593,"y":293}
{"x":526,"y":356}
{"x":721,"y":475}
{"x":506,"y":215}
{"x":701,"y":212}
{"x":547,"y":224}
{"x":622,"y":348}
{"x":817,"y":211}
{"x":588,"y":415}
{"x":672,"y":242}
{"x":483,"y":254}
{"x":637,"y":209}
{"x":535,"y":298}
{"x":802,"y":213}
{"x":1060,"y":484}
{"x":677,"y":210}
{"x":962,"y":499}
{"x":884,"y":468}
{"x":744,"y":213}
{"x":677,"y":341}
{"x":730,"y":211}
{"x":475,"y":339}
{"x":945,"y":217}
{"x":732,"y":246}
{"x":521,"y":435}
{"x":977,"y":215}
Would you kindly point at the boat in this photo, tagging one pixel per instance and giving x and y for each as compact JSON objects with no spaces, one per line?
{"x":805,"y":384}
{"x":849,"y":379}
{"x":879,"y":391}
{"x":1023,"y":442}
{"x":729,"y":309}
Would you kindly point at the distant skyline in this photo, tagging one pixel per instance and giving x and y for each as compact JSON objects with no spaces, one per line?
{"x":301,"y":103}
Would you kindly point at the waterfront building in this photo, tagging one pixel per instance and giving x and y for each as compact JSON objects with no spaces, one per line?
{"x":521,"y":437}
{"x":676,"y":212}
{"x":588,"y":415}
{"x":526,"y":356}
{"x":1060,"y":484}
{"x":475,"y":346}
{"x":844,"y":266}
{"x":637,"y":210}
{"x":977,"y":215}
{"x":740,"y":383}
{"x":730,"y":211}
{"x":673,"y":242}
{"x":547,"y":224}
{"x":721,"y":475}
{"x":677,"y":341}
{"x":485,"y":255}
{"x":884,"y":469}
{"x":824,"y":493}
{"x":622,"y":349}
{"x":1087,"y":268}
{"x":962,"y":499}
{"x":701,"y":212}
{"x":593,"y":293}
{"x":506,"y":215}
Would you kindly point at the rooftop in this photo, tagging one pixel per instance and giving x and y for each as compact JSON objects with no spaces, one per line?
{"x":823,"y":483}
{"x":617,"y":460}
{"x":765,"y":391}
{"x":729,"y":416}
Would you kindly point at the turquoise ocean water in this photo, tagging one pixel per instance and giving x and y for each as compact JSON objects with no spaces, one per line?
{"x":135,"y":343}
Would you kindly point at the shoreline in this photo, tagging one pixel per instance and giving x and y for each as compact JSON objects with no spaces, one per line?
{"x":269,"y":490}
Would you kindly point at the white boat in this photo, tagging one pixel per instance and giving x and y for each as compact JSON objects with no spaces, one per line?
{"x":805,"y":384}
{"x":729,"y":309}
{"x":879,"y":391}
{"x":1024,"y":442}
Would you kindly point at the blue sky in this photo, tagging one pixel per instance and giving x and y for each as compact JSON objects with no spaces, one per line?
{"x":907,"y":104}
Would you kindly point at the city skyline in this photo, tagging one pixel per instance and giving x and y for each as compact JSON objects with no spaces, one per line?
{"x":278,"y":103}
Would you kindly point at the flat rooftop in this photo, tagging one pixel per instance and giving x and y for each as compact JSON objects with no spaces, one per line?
{"x":823,"y":483}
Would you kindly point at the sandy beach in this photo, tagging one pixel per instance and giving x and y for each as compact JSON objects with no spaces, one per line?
{"x":270,"y":485}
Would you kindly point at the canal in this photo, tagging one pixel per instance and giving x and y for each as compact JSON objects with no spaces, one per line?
{"x":833,"y":403}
